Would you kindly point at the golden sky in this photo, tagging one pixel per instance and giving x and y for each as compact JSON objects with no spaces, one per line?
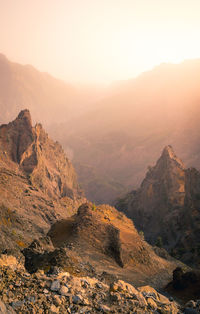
{"x":99,"y":41}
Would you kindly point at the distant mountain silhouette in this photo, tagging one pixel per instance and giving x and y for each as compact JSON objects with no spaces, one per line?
{"x":50,"y":100}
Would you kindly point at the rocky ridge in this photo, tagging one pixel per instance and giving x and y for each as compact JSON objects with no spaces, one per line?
{"x":166,"y":207}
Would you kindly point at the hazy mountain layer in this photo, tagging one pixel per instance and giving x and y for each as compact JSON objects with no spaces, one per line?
{"x":112,"y":141}
{"x":123,"y":136}
{"x":50,"y":100}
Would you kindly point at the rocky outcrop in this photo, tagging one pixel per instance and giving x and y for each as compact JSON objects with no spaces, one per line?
{"x":98,"y":240}
{"x":185,"y":286}
{"x":89,"y":230}
{"x":62,"y":292}
{"x":166,"y":207}
{"x":38,"y":156}
{"x":38,"y":184}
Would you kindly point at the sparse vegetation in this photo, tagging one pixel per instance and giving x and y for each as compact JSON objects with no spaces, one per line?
{"x":159,"y":242}
{"x":94,"y":208}
{"x":141,"y":233}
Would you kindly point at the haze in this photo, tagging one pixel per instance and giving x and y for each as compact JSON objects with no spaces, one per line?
{"x":95,"y":41}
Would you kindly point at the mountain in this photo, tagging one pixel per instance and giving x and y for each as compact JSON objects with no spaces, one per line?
{"x":167,"y":207}
{"x":38,"y":183}
{"x":112,"y":135}
{"x":120,"y":138}
{"x":45,"y":217}
{"x":50,"y":100}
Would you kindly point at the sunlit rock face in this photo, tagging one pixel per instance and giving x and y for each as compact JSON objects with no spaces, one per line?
{"x":33,"y":152}
{"x":38,"y":183}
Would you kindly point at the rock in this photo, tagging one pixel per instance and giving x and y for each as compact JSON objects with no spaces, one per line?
{"x":31,"y":299}
{"x":84,"y":309}
{"x":6,"y":309}
{"x":120,"y":285}
{"x":2,"y":307}
{"x":57,"y":299}
{"x":17,"y":304}
{"x":54,"y":309}
{"x":104,"y":309}
{"x":9,"y":261}
{"x":64,"y":290}
{"x":77,"y":299}
{"x":192,"y":304}
{"x":55,"y":286}
{"x":86,"y":301}
{"x":115,"y":296}
{"x":63,"y":275}
{"x":152,"y":304}
{"x":85,"y":283}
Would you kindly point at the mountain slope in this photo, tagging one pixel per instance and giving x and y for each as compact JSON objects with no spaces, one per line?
{"x":99,"y":240}
{"x":167,"y":206}
{"x":38,"y":183}
{"x":50,"y":100}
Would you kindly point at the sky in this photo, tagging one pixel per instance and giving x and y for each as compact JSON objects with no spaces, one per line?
{"x":99,"y":41}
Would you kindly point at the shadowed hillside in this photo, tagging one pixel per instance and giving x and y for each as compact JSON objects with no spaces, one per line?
{"x":167,"y":207}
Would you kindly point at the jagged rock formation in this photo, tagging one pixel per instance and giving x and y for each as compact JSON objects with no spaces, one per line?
{"x":167,"y":207}
{"x":38,"y":183}
{"x":98,"y":240}
{"x":34,"y":153}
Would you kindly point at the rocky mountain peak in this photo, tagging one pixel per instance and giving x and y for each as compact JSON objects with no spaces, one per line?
{"x":167,"y":206}
{"x":30,"y":150}
{"x":169,"y":155}
{"x":169,"y":174}
{"x":25,"y":117}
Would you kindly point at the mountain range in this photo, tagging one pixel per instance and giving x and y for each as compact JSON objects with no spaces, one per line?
{"x":118,"y":140}
{"x":112,"y":135}
{"x":46,"y":222}
{"x":40,"y":194}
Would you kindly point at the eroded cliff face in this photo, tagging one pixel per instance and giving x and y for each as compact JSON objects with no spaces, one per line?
{"x":38,"y":184}
{"x":167,"y":206}
{"x":31,"y":151}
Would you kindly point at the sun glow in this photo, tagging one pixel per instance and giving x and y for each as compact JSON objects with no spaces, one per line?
{"x":99,"y":41}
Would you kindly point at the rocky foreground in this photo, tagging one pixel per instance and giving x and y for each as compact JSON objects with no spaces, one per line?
{"x":57,"y":291}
